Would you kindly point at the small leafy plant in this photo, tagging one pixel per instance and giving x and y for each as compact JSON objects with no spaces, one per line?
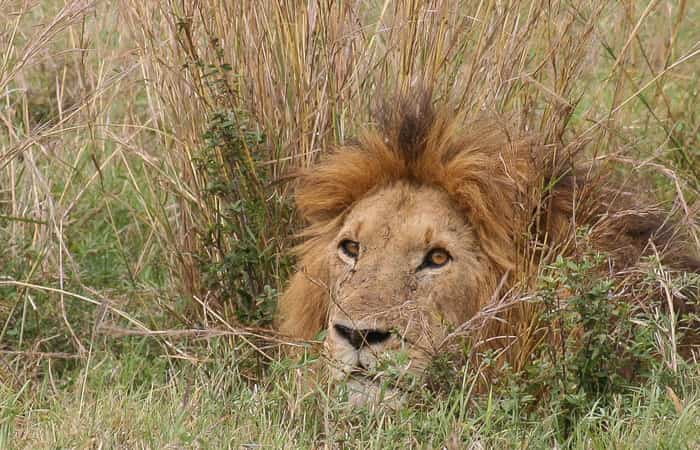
{"x":241,"y":261}
{"x":598,"y":342}
{"x":242,"y":255}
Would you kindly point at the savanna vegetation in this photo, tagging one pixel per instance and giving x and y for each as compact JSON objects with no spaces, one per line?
{"x":146,"y":218}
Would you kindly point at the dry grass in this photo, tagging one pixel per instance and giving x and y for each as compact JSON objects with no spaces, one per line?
{"x":106,"y":211}
{"x":308,"y":76}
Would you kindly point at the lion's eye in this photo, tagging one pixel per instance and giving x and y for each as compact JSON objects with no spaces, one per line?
{"x":435,"y":258}
{"x":350,"y":248}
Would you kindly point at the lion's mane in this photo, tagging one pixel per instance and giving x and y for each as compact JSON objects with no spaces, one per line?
{"x":524,"y":199}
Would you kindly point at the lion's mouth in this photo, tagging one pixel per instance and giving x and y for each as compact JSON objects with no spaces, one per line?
{"x":373,"y":388}
{"x":364,"y":390}
{"x":360,"y":373}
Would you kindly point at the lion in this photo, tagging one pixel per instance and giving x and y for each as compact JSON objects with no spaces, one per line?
{"x":422,"y":222}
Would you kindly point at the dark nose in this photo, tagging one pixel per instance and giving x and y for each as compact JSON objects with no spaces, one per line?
{"x":360,"y":338}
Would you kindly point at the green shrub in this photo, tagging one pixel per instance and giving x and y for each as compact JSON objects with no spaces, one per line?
{"x":241,"y":256}
{"x":601,"y":342}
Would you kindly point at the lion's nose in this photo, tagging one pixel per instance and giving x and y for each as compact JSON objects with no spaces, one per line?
{"x":360,"y":338}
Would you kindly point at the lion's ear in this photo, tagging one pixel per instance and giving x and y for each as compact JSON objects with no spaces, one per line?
{"x":346,"y":175}
{"x":303,"y":307}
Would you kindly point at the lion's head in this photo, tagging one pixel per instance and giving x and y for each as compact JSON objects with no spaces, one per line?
{"x":418,"y":225}
{"x":399,"y":261}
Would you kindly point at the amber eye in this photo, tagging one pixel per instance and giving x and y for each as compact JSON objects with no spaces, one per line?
{"x":350,"y":248}
{"x":435,"y":258}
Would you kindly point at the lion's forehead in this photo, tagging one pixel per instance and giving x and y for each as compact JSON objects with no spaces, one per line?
{"x":406,"y":216}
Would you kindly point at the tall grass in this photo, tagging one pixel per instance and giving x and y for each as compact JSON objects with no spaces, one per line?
{"x":610,"y":74}
{"x":145,"y":146}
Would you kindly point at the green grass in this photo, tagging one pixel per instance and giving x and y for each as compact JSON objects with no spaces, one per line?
{"x":140,"y":399}
{"x":140,"y":153}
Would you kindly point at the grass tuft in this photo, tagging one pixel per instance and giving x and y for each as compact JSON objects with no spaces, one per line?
{"x":145,"y":220}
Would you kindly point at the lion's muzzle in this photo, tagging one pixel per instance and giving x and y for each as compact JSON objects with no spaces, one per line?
{"x":354,"y":348}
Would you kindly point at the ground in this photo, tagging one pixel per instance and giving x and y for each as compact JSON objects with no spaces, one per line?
{"x":145,"y":225}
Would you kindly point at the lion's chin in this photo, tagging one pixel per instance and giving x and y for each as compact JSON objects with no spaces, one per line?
{"x":363,"y":392}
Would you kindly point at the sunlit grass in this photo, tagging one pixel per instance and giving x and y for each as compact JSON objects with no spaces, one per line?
{"x":138,"y":400}
{"x":118,"y":216}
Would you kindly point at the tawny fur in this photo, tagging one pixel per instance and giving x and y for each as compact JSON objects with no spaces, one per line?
{"x":521,"y":199}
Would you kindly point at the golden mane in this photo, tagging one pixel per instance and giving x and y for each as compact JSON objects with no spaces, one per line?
{"x":513,"y":191}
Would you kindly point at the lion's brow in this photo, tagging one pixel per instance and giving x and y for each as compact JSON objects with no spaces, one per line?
{"x":429,"y":233}
{"x":358,"y":227}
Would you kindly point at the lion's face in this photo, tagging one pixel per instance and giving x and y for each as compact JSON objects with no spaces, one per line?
{"x":403,"y":270}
